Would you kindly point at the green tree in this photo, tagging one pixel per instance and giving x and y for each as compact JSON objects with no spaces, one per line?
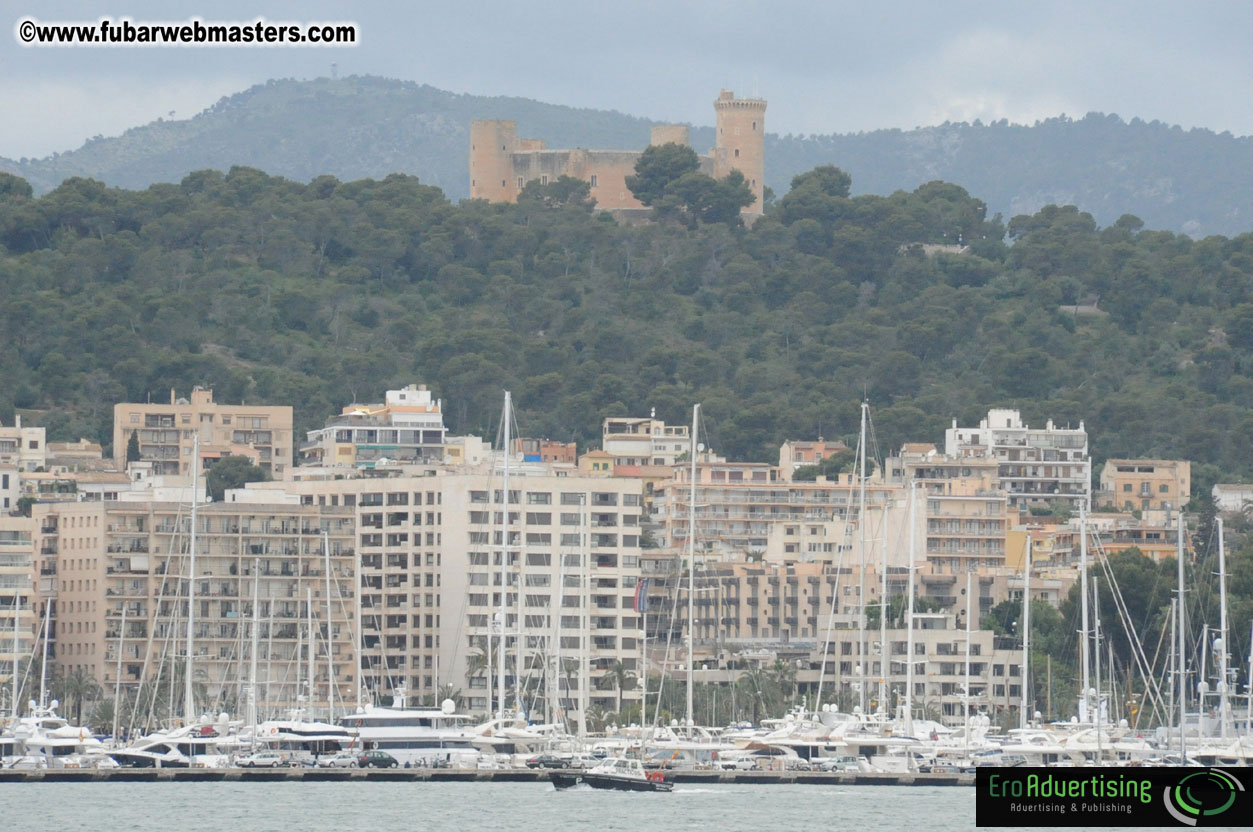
{"x":232,"y":471}
{"x":658,"y":167}
{"x":132,"y":447}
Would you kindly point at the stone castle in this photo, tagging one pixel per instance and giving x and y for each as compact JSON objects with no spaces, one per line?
{"x":501,"y":164}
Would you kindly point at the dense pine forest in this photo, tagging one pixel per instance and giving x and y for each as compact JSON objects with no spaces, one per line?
{"x":317,"y":295}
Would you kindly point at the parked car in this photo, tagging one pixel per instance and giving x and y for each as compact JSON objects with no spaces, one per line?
{"x":263,"y":759}
{"x":376,"y":759}
{"x":836,"y":764}
{"x":737,"y":764}
{"x":583,"y":761}
{"x":344,"y":759}
{"x":547,"y":761}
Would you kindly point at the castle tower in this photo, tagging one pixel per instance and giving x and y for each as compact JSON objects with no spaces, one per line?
{"x":740,"y":142}
{"x":670,"y":134}
{"x":492,"y":145}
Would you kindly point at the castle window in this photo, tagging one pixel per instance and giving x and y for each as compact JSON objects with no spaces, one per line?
{"x":502,"y":147}
{"x":521,"y":184}
{"x":543,"y":180}
{"x":737,"y":153}
{"x":754,"y":126}
{"x":503,"y":184}
{"x":593,"y":180}
{"x":472,"y":183}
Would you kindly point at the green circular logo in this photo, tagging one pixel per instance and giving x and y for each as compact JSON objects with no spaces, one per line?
{"x":1202,"y":794}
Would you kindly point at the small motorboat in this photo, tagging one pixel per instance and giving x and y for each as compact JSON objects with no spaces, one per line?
{"x":615,"y":773}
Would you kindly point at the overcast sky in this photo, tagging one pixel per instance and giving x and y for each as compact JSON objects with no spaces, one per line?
{"x":824,"y":66}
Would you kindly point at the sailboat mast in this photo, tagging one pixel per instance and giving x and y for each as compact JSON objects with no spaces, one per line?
{"x":330,"y":661}
{"x":971,"y":606}
{"x":117,"y":679}
{"x":17,"y":617}
{"x":691,"y":565}
{"x":884,"y":657}
{"x":313,"y":642}
{"x":1181,"y":628}
{"x":1222,"y":631}
{"x":909,"y":618}
{"x":1084,"y":691}
{"x":1026,"y":635}
{"x":1096,"y":624}
{"x":43,"y":668}
{"x":256,"y":639}
{"x":504,"y":568}
{"x":861,"y":587}
{"x":189,"y":702}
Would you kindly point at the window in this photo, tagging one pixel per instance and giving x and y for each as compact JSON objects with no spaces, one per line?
{"x":226,"y":420}
{"x":737,"y":153}
{"x":502,"y":182}
{"x":1126,"y":486}
{"x":543,"y":180}
{"x":134,"y":418}
{"x":1163,"y":488}
{"x":521,"y":184}
{"x":594,"y":182}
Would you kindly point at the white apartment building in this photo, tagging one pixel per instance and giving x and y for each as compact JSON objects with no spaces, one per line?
{"x":431,"y":542}
{"x":644,"y":441}
{"x":407,"y":427}
{"x":1035,"y":466}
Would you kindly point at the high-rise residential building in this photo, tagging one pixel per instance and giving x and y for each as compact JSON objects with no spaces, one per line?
{"x":406,"y":428}
{"x":1035,"y":467}
{"x":967,"y":512}
{"x":18,"y":605}
{"x":749,"y":511}
{"x":1145,"y":484}
{"x":431,"y":542}
{"x":123,"y":577}
{"x":167,"y":432}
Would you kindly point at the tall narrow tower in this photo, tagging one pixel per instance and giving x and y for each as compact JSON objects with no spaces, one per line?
{"x":492,"y":145}
{"x":741,"y":142}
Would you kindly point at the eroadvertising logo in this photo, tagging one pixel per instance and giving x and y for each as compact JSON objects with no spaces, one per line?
{"x":1111,"y":797}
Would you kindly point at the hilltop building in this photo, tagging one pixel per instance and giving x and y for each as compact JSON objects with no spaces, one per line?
{"x":167,"y":432}
{"x":501,"y":163}
{"x":1035,"y":467}
{"x":1145,"y":484}
{"x":407,"y":427}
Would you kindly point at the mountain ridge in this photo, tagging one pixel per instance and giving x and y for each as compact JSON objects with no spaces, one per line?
{"x":1196,"y":181}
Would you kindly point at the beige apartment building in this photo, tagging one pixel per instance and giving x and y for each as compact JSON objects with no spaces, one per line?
{"x":122,"y":575}
{"x":749,"y":511}
{"x":744,"y":611}
{"x":19,"y":607}
{"x":431,"y":542}
{"x":967,"y":512}
{"x":263,"y":433}
{"x":1145,"y":484}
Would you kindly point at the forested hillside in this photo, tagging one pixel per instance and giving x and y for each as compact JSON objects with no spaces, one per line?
{"x":316,"y":295}
{"x":1193,"y":181}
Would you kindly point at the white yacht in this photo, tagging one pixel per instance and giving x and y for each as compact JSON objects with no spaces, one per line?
{"x":417,"y":736}
{"x":45,"y":740}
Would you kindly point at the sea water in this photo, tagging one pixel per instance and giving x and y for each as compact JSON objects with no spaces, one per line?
{"x":476,"y":807}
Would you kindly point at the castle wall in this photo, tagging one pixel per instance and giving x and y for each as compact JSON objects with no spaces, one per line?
{"x":501,"y":164}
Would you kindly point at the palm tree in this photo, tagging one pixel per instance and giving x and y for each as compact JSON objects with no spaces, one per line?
{"x":78,"y":687}
{"x":448,"y":691}
{"x":617,"y":676}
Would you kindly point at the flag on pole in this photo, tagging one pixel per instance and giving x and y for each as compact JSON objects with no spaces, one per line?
{"x":641,"y":594}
